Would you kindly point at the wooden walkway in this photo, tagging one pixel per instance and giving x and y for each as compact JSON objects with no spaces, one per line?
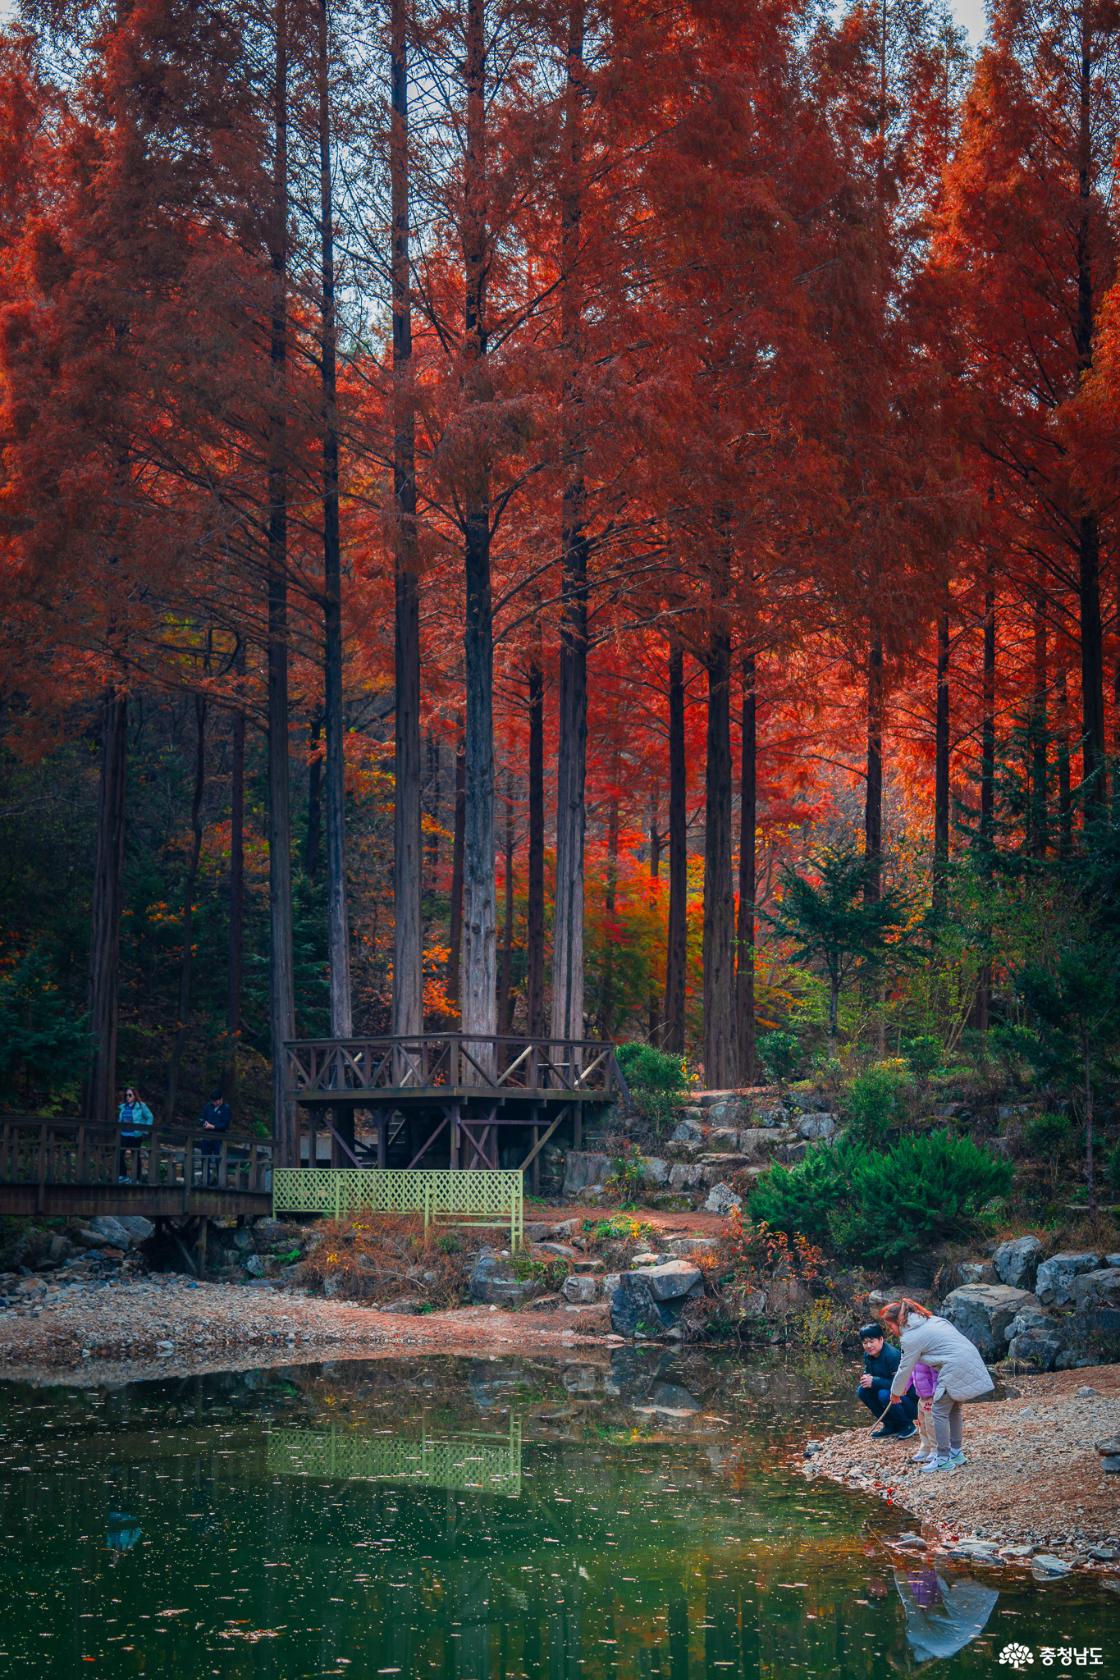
{"x":445,"y":1098}
{"x":75,"y":1167}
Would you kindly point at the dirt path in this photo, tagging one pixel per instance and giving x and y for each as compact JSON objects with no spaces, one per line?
{"x":171,"y":1318}
{"x":1033,"y":1480}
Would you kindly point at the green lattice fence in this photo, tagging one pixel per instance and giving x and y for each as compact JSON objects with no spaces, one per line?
{"x":443,"y":1196}
{"x":488,"y":1463}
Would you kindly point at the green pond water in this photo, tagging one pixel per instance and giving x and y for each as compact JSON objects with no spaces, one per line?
{"x":482,"y":1519}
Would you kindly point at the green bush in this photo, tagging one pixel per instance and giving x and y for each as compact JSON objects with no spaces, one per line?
{"x":1049,"y":1135}
{"x":881,"y":1206}
{"x":646,"y":1068}
{"x":876,"y":1100}
{"x":657,"y":1080}
{"x":925,"y":1054}
{"x":779,"y":1053}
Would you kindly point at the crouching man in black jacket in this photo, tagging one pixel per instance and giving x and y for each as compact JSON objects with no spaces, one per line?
{"x":880,"y":1362}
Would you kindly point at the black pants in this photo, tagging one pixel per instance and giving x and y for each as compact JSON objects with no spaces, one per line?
{"x":902,"y":1413}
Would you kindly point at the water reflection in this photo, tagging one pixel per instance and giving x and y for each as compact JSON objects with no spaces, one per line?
{"x":942,"y":1617}
{"x":478,"y":1463}
{"x":619,"y":1517}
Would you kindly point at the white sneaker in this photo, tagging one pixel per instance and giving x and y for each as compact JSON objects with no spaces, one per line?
{"x":936,"y":1463}
{"x":922,"y":1454}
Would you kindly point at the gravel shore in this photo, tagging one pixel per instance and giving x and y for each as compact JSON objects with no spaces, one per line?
{"x":1033,"y":1487}
{"x":172,"y":1318}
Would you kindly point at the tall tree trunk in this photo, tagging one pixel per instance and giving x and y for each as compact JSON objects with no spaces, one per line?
{"x":1088,"y":533}
{"x":748,"y":885}
{"x":1038,"y":815}
{"x":1065,"y":788}
{"x":505,"y":971}
{"x":610,"y":903}
{"x":478,"y":987}
{"x":435,"y":810}
{"x":190,"y":889}
{"x":338,"y":921}
{"x":535,"y":928}
{"x":235,"y":964}
{"x":941,"y":766}
{"x":873,"y":806}
{"x":105,"y":924}
{"x":676,"y":953}
{"x":408,"y":953}
{"x":654,"y":1006}
{"x":567,"y":937}
{"x":981,"y":1013}
{"x":281,"y":982}
{"x":458,"y":844}
{"x":720,"y":1045}
{"x":313,"y":838}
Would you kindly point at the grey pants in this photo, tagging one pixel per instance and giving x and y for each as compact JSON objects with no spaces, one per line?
{"x":948,"y":1424}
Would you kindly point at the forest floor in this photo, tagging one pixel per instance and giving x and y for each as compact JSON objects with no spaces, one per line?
{"x":182,"y":1324}
{"x":1033,"y":1484}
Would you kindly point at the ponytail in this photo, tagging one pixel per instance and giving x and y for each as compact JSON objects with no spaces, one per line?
{"x":898,"y":1312}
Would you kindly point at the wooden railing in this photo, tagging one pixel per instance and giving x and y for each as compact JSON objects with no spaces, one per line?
{"x":47,"y":1152}
{"x":497,"y":1064}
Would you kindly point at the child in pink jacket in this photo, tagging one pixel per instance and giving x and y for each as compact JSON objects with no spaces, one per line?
{"x":924,"y":1378}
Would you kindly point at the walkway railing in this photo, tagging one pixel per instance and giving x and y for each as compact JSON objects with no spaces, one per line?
{"x":489,"y":1199}
{"x":49,"y":1152}
{"x":496,"y":1064}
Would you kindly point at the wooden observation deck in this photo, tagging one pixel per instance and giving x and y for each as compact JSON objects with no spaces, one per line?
{"x":445,"y":1098}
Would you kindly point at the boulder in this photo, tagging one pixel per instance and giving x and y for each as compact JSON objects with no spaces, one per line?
{"x":654,"y":1169}
{"x":583,"y":1169}
{"x":494,"y":1283}
{"x":1112,"y":1259}
{"x":983,"y":1311}
{"x":635,"y":1312}
{"x":817,"y":1128}
{"x":672,"y":1279}
{"x":977,"y":1271}
{"x":771,"y":1114}
{"x":721,"y":1199}
{"x":684,"y":1176}
{"x":687,"y":1131}
{"x":112,"y":1230}
{"x":723,"y":1140}
{"x":730,"y":1111}
{"x":580,"y":1289}
{"x":1055,"y":1277}
{"x":557,"y":1250}
{"x":1041,"y":1346}
{"x":810,"y":1102}
{"x":406,"y":1305}
{"x":689,"y":1247}
{"x":1016,"y":1262}
{"x":255,"y":1266}
{"x":757,"y":1142}
{"x":1097,"y":1297}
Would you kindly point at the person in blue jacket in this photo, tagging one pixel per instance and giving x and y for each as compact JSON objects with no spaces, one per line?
{"x":880,"y":1362}
{"x":134,"y":1118}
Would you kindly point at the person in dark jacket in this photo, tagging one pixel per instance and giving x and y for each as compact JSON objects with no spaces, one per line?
{"x":214,"y":1120}
{"x":880,"y":1362}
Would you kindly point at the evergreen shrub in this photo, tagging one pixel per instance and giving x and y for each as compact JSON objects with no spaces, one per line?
{"x":881,"y":1206}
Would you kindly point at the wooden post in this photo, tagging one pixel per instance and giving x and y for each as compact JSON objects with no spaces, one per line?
{"x":577,"y":1128}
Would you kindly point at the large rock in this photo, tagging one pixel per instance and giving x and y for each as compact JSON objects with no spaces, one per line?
{"x":580,"y":1289}
{"x":983,"y":1311}
{"x":654,"y":1169}
{"x":730,"y":1111}
{"x":1097,"y":1298}
{"x":1038,"y":1339}
{"x":686,"y":1175}
{"x":817,"y":1128}
{"x":771,"y":1114}
{"x":1055,"y":1277}
{"x":636,"y":1312}
{"x":978,"y":1271}
{"x":113,"y":1230}
{"x":723,"y":1140}
{"x":687,"y":1130}
{"x":757,"y":1142}
{"x":1016,"y":1262}
{"x":582,"y":1169}
{"x":668,"y":1282}
{"x":494,"y":1282}
{"x":689,"y":1247}
{"x":721,"y":1199}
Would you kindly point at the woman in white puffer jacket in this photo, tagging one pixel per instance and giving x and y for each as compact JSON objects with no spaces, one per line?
{"x":961,"y":1373}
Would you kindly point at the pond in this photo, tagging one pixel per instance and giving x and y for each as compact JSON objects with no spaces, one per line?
{"x":477,"y":1519}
